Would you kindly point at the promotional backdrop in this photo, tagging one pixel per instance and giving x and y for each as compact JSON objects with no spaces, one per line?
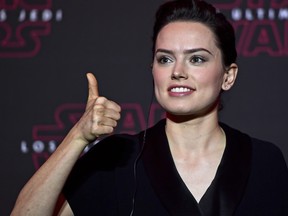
{"x":47,"y":47}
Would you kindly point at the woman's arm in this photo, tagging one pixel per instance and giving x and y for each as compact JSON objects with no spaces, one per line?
{"x":40,"y":194}
{"x":65,"y":210}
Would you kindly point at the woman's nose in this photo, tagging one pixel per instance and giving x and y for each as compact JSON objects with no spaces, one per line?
{"x":179,"y":72}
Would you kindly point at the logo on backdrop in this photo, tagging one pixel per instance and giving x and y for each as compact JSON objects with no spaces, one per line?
{"x":261,"y":25}
{"x":46,"y":137}
{"x":22,"y":25}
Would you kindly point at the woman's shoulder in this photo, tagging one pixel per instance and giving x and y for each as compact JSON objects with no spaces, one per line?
{"x":265,"y":146}
{"x":257,"y":143}
{"x":262,"y":150}
{"x":268,"y":153}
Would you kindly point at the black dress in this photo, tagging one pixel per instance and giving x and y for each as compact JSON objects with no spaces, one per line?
{"x":252,"y":179}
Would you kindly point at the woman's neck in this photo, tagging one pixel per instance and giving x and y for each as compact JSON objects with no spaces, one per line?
{"x":196,"y":136}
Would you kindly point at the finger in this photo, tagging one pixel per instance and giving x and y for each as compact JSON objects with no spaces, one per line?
{"x":104,"y":122}
{"x":108,"y":104}
{"x":114,"y":106}
{"x":103,"y":126}
{"x":93,"y":92}
{"x":111,"y":114}
{"x":102,"y":130}
{"x":100,"y":111}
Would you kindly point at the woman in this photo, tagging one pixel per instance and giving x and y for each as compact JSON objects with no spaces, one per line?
{"x":187,"y":164}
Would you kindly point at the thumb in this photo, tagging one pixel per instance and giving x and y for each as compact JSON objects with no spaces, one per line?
{"x":92,"y":86}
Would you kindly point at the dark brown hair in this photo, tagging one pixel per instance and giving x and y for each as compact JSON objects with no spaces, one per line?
{"x":202,"y":12}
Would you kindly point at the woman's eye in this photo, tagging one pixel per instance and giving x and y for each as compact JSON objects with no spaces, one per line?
{"x":164,"y":60}
{"x":197,"y":59}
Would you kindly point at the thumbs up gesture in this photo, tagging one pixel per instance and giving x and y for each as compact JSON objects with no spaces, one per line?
{"x":100,"y":116}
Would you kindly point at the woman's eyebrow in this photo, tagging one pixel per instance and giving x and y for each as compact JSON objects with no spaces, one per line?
{"x":188,"y":51}
{"x":197,"y":50}
{"x":164,"y":51}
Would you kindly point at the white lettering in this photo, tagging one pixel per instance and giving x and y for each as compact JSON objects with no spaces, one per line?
{"x":3,"y":15}
{"x":59,"y":15}
{"x":283,"y":14}
{"x":23,"y":146}
{"x":33,"y":15}
{"x":38,"y":146}
{"x":260,"y":13}
{"x":271,"y":14}
{"x":22,"y":16}
{"x":248,"y":14}
{"x":52,"y":146}
{"x":236,"y":14}
{"x":47,"y":15}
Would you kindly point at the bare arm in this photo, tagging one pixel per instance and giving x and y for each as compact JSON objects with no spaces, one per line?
{"x":40,"y":194}
{"x":65,"y":210}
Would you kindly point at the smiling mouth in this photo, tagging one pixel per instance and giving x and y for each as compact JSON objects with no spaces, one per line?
{"x":180,"y":89}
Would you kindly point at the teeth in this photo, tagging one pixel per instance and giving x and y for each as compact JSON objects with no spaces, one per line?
{"x":180,"y":89}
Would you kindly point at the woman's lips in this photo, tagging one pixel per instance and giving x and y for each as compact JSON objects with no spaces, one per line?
{"x":180,"y":90}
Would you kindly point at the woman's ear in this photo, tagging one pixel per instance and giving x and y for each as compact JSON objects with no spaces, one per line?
{"x":230,"y":77}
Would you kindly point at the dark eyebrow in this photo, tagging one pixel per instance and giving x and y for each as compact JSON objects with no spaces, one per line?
{"x":185,"y":52}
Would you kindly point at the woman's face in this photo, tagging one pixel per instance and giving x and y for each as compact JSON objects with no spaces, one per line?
{"x":187,"y":69}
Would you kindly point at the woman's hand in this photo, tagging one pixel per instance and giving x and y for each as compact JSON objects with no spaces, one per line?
{"x":100,"y":117}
